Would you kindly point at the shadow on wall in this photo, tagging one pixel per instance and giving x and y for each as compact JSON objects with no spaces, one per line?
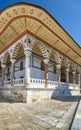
{"x":12,"y":96}
{"x":63,"y":93}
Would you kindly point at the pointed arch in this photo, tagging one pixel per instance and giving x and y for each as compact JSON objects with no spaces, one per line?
{"x":5,"y":56}
{"x":16,"y":49}
{"x":65,"y":61}
{"x":51,"y":55}
{"x":58,"y":57}
{"x":42,"y":48}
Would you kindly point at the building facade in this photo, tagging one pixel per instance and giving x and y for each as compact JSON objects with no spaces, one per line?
{"x":38,"y":59}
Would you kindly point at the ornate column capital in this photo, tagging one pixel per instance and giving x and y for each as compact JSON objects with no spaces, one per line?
{"x":78,"y":74}
{"x":27,"y":52}
{"x":46,"y":61}
{"x":67,"y":69}
{"x":3,"y":65}
{"x":74,"y":72}
{"x":58,"y":66}
{"x":27,"y":41}
{"x":13,"y":60}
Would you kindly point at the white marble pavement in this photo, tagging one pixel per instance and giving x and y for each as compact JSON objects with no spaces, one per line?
{"x":76,"y":125}
{"x":46,"y":115}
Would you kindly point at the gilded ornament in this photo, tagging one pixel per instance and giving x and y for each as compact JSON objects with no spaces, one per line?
{"x":15,"y":11}
{"x":39,"y":14}
{"x":3,"y":19}
{"x":9,"y":15}
{"x":31,"y":11}
{"x":23,"y":10}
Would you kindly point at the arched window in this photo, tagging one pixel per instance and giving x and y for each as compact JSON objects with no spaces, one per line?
{"x":42,"y":65}
{"x":21,"y":65}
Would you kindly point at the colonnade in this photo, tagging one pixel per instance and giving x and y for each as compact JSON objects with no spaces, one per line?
{"x":27,"y":43}
{"x":28,"y":53}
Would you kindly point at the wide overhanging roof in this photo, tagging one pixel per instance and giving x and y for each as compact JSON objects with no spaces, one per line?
{"x":17,"y":20}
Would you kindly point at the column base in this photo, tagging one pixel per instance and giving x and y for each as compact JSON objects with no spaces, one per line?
{"x":12,"y":84}
{"x":68,"y":84}
{"x":58,"y":84}
{"x":46,"y":85}
{"x":2,"y":84}
{"x":27,"y":84}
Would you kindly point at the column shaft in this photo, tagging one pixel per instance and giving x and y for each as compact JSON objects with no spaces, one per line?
{"x":74,"y":78}
{"x":46,"y":71}
{"x":58,"y":71}
{"x":12,"y":71}
{"x":78,"y":79}
{"x":3,"y":76}
{"x":46,"y":75}
{"x":27,"y":67}
{"x":12,"y":74}
{"x":67,"y":76}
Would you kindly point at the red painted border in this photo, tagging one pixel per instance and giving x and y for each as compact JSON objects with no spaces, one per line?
{"x":27,"y":16}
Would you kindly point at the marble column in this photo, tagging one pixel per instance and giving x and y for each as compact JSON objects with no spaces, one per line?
{"x":58,"y":71}
{"x":67,"y":76}
{"x":78,"y":78}
{"x":3,"y":73}
{"x":12,"y":71}
{"x":46,"y":71}
{"x":27,"y":67}
{"x":74,"y":80}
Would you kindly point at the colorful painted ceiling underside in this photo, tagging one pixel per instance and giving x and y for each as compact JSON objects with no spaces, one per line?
{"x":21,"y":19}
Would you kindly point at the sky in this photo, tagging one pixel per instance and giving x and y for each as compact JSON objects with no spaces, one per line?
{"x":66,"y":12}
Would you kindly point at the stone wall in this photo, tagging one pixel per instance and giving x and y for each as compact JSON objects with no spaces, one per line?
{"x":30,"y":95}
{"x":14,"y":95}
{"x":34,"y":95}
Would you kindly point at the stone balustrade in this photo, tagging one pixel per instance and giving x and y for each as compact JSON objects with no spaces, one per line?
{"x":38,"y":83}
{"x":19,"y":82}
{"x":73,"y":86}
{"x":7,"y":83}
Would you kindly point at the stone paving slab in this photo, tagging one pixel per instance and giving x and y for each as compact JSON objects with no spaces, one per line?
{"x":76,"y":125}
{"x":46,"y":115}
